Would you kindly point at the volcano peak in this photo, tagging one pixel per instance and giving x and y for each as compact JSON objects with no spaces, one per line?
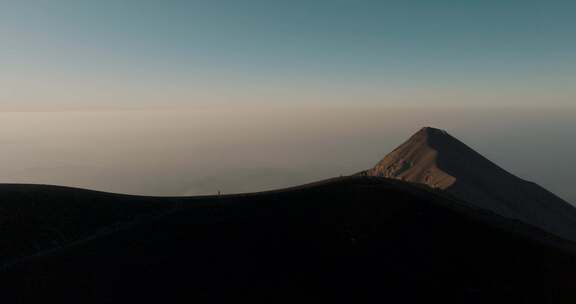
{"x":435,"y":158}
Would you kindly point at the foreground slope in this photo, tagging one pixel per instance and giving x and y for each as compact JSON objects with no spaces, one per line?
{"x":348,"y":240}
{"x":435,"y":158}
{"x":37,"y":218}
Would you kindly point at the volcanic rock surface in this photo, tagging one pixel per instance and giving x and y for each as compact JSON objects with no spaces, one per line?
{"x":437,"y":159}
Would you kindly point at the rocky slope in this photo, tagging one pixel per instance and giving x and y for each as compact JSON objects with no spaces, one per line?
{"x":437,"y":159}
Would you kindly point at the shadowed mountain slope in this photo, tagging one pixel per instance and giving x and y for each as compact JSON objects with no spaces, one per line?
{"x":435,"y":158}
{"x":37,"y":218}
{"x":346,"y":240}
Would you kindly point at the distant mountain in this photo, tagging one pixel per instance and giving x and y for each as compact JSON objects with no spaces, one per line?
{"x":435,"y":158}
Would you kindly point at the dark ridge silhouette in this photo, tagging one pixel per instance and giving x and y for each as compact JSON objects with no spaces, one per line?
{"x":40,"y":218}
{"x":345,"y":240}
{"x":37,"y":218}
{"x":435,"y":158}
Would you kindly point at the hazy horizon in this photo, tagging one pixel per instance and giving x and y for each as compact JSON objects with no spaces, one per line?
{"x":191,"y":97}
{"x":242,"y":149}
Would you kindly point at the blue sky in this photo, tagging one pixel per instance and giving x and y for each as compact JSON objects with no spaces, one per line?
{"x":138,"y":53}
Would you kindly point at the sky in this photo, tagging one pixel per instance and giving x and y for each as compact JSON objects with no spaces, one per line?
{"x":190,"y":97}
{"x":74,"y":54}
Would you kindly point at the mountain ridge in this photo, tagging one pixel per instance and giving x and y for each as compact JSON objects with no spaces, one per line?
{"x":437,"y":159}
{"x":361,"y":239}
{"x":365,"y":238}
